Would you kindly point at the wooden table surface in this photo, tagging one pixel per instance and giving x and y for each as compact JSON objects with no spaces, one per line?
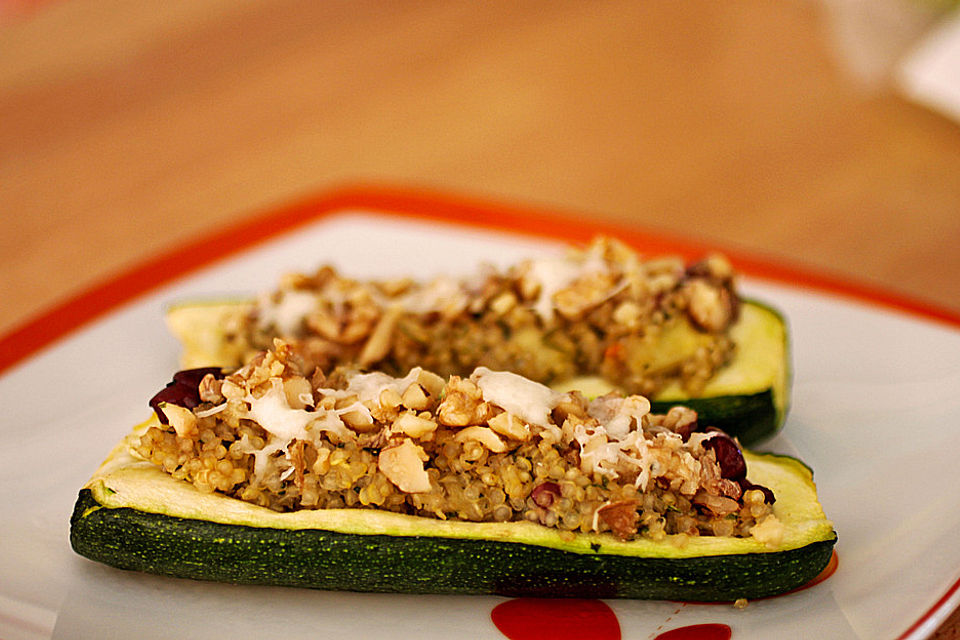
{"x":129,"y":127}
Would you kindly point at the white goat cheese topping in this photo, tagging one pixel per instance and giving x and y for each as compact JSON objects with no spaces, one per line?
{"x":530,"y":401}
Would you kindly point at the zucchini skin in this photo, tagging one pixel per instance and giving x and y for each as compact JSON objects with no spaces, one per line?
{"x":126,"y":538}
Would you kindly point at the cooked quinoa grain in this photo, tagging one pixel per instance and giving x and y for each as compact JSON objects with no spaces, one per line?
{"x":493,"y":446}
{"x":641,"y":324}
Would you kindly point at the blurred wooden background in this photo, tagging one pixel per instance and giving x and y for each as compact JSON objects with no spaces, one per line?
{"x":127,"y":127}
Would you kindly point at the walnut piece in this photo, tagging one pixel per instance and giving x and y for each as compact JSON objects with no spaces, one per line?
{"x":413,"y":425}
{"x":509,"y":425}
{"x":483,"y":435}
{"x":710,"y":307}
{"x":621,"y":517}
{"x":403,"y":466}
{"x":463,"y":404}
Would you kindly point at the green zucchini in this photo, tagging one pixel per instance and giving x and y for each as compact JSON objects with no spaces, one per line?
{"x":748,"y":399}
{"x":132,"y":515}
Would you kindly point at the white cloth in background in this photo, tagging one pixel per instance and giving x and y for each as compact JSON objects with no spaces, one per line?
{"x":930,"y":73}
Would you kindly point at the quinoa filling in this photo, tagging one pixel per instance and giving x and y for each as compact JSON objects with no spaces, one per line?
{"x":493,"y":446}
{"x":605,"y":311}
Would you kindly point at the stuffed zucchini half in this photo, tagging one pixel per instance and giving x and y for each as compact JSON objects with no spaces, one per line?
{"x":491,"y":484}
{"x":595,"y":320}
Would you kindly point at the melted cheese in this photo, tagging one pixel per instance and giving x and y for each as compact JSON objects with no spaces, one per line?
{"x":557,"y":273}
{"x":272,"y":412}
{"x":441,"y":294}
{"x":284,"y":424}
{"x":619,"y":415}
{"x":619,"y":442}
{"x":369,"y":386}
{"x":553,"y":275}
{"x":260,"y":456}
{"x":597,"y":453}
{"x":635,"y":449}
{"x":697,"y":439}
{"x":288,"y":314}
{"x":530,"y":401}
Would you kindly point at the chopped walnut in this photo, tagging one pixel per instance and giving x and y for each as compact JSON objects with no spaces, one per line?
{"x":360,"y":421}
{"x":403,"y":466}
{"x":390,"y":398}
{"x":585,"y":294}
{"x":413,"y":425}
{"x":483,"y":435}
{"x":710,"y":307}
{"x":396,"y":287}
{"x":712,"y":480}
{"x":349,"y":326}
{"x":209,"y":389}
{"x":415,"y":398}
{"x":297,"y":457}
{"x":621,"y":517}
{"x":432,"y":383}
{"x":378,"y":344}
{"x":507,"y":424}
{"x":463,"y":404}
{"x":503,"y":303}
{"x":181,"y":419}
{"x":628,"y":314}
{"x":714,"y":267}
{"x":298,"y":392}
{"x":682,"y":420}
{"x":374,"y":439}
{"x":717,"y":504}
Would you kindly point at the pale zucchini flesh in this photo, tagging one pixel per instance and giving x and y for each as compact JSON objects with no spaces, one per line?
{"x":125,"y":481}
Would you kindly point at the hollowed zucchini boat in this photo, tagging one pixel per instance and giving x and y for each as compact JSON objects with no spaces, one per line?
{"x":131,"y":515}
